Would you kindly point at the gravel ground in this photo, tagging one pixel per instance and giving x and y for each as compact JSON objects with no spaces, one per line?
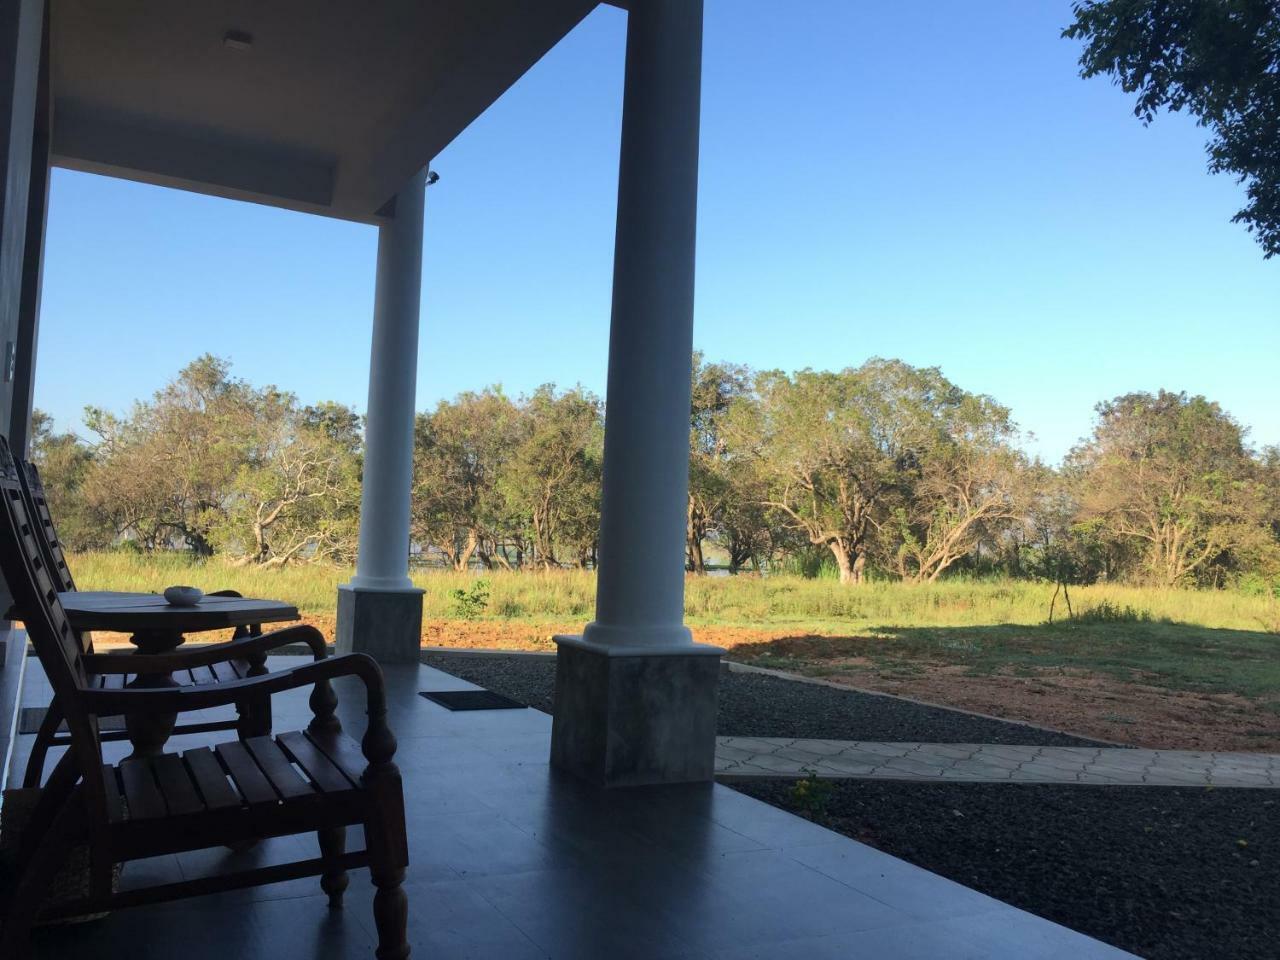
{"x":757,"y":705}
{"x":1158,"y":871}
{"x":1167,"y":873}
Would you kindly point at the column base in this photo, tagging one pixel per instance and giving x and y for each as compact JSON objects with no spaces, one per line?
{"x":632,"y":717}
{"x":386,"y":624}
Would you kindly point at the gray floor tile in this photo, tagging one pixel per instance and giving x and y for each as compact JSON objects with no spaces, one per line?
{"x":510,"y":859}
{"x":902,"y":885}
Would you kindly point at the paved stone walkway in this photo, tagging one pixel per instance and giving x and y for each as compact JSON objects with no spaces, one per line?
{"x":988,"y":762}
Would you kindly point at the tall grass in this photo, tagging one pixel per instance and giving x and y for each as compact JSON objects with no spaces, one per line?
{"x":567,"y":597}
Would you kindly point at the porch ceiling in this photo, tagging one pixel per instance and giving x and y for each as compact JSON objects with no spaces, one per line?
{"x":329,"y":110}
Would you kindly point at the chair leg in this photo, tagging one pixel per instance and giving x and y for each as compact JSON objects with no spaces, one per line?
{"x":54,"y":796}
{"x":386,"y":869}
{"x":390,"y":912}
{"x":384,"y":832}
{"x":33,"y":882}
{"x":333,"y":842}
{"x":40,"y":748}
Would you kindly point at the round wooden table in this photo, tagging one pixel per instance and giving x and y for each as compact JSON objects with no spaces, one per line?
{"x":156,"y":626}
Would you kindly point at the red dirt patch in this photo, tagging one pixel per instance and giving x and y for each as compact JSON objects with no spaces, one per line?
{"x":1079,"y":702}
{"x":1094,"y":706}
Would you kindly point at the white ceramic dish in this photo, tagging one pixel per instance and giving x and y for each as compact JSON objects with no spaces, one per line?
{"x":183,"y":596}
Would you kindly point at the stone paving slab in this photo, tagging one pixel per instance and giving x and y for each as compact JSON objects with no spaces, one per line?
{"x":993,"y":763}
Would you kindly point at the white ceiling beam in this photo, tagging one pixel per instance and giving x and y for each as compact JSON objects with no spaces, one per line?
{"x":198,"y":160}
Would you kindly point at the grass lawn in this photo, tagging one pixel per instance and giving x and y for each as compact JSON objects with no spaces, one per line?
{"x":1174,"y":655}
{"x":1175,"y":659}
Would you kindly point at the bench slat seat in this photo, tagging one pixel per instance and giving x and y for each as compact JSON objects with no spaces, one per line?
{"x":241,"y":775}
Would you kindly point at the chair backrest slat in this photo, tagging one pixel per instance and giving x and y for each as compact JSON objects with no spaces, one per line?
{"x":56,"y":642}
{"x":37,"y":503}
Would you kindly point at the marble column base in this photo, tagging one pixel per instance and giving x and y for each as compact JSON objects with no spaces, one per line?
{"x":386,"y":624}
{"x":630,"y":716}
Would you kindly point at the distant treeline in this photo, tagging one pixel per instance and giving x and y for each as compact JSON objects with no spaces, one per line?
{"x":883,"y":470}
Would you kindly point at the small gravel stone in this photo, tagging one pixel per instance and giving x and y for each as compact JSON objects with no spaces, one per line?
{"x":759,"y":705}
{"x":1157,"y":871}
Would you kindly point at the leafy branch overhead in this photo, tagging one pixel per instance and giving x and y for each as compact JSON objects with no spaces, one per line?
{"x":1219,"y":60}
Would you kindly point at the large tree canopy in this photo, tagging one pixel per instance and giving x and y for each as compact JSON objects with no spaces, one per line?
{"x":214,"y":464}
{"x":163,"y":473}
{"x":1171,"y":475}
{"x":1217,"y":59}
{"x":712,"y":468}
{"x":552,"y":480}
{"x":884,"y":450}
{"x":884,"y":470}
{"x":460,"y":452}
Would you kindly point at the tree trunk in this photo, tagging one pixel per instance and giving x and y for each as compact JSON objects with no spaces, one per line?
{"x":697,"y":564}
{"x":199,"y":544}
{"x":463,"y":560}
{"x":843,"y":561}
{"x":261,"y":551}
{"x":694,"y":562}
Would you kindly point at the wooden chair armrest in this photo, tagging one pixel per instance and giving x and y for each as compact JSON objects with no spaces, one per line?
{"x":130,"y":700}
{"x":184,"y":658}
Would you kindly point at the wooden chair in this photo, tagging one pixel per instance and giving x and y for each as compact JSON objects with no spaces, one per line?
{"x":244,"y":656}
{"x":171,"y":803}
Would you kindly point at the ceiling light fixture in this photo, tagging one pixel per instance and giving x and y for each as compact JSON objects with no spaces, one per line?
{"x":237,"y":40}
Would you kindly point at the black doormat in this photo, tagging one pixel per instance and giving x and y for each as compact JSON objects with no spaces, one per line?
{"x":30,"y":718}
{"x":471,"y":700}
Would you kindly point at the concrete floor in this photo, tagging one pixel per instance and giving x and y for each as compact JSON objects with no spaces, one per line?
{"x":512,"y":861}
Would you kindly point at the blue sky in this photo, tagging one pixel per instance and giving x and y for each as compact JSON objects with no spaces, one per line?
{"x":918,"y":180}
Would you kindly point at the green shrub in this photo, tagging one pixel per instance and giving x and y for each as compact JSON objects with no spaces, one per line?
{"x":1256,"y":585}
{"x":469,"y":604}
{"x":506,"y":607}
{"x":1106,"y":611}
{"x":811,"y":794}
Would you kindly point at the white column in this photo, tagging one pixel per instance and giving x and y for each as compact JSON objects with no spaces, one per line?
{"x":635,"y":696}
{"x":640,"y":592}
{"x":383,"y":560}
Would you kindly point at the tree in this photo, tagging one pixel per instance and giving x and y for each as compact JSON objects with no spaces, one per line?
{"x":1054,"y":542}
{"x":297,"y":495}
{"x":840,"y":448}
{"x":711,"y":470}
{"x":65,"y":461}
{"x":1269,"y":476}
{"x":745,"y":527}
{"x":553,"y":477}
{"x":163,"y":473}
{"x":1217,"y":59}
{"x":460,"y":452}
{"x":1171,"y":475}
{"x":969,"y":483}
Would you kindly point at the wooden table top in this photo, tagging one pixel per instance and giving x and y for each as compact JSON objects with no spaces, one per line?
{"x":152,"y":613}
